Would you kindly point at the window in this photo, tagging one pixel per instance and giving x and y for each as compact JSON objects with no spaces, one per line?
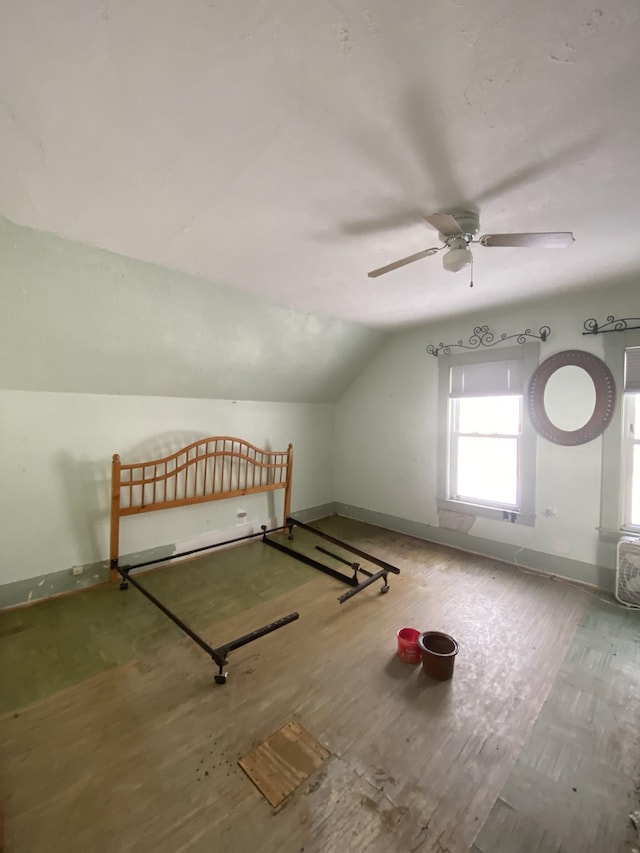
{"x":631,"y":442}
{"x":486,"y":448}
{"x":620,"y":498}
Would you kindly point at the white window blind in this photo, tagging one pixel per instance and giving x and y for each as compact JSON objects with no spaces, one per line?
{"x":487,"y":379}
{"x":632,"y":369}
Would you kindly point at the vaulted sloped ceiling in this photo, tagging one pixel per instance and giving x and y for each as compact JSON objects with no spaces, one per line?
{"x":82,"y":320}
{"x":282,"y":148}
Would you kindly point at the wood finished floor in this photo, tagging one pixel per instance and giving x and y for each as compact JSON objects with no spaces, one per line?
{"x":533,"y":746}
{"x":54,"y":644}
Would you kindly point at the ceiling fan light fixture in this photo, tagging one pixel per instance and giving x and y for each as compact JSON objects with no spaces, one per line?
{"x":457,"y":231}
{"x":456,"y":259}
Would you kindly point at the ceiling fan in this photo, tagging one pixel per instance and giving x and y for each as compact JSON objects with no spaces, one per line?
{"x":457,"y":232}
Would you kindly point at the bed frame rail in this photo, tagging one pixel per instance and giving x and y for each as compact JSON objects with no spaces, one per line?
{"x":353,"y":580}
{"x":219,"y":654}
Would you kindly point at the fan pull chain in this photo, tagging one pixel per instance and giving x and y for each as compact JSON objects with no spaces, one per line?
{"x":471,"y":280}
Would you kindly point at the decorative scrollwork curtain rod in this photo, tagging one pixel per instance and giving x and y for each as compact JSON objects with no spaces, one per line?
{"x":592,"y":327}
{"x":483,"y":337}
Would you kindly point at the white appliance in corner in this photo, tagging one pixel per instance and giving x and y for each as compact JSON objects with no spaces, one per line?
{"x":628,"y":571}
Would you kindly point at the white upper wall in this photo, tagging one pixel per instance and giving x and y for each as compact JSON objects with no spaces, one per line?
{"x":79,"y":319}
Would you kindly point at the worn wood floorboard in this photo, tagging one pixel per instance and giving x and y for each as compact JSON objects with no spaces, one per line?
{"x":574,"y":780}
{"x":478,"y":721}
{"x":56,"y":643}
{"x":144,"y":756}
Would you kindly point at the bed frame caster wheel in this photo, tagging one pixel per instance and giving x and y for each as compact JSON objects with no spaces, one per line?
{"x":384,"y":589}
{"x":220,"y":678}
{"x":124,"y":585}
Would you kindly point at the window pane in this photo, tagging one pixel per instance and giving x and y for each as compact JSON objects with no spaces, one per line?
{"x":489,"y":415}
{"x":487,"y":470}
{"x":635,"y":487}
{"x":631,"y":461}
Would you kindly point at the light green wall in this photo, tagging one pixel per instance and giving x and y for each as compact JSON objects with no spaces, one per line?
{"x":102,"y":354}
{"x":82,"y":320}
{"x":55,"y":466}
{"x":386,"y":437}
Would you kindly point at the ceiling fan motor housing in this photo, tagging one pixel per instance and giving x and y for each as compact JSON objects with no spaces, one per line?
{"x":469,"y":224}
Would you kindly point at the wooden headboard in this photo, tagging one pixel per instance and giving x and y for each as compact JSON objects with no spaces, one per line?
{"x":211,"y":469}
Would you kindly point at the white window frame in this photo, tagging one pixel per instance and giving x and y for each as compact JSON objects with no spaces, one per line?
{"x":613,"y":494}
{"x":528,"y":355}
{"x":630,"y":440}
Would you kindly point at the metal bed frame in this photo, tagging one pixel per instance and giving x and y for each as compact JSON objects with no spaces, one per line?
{"x":219,"y":654}
{"x":216,"y":468}
{"x":352,"y":580}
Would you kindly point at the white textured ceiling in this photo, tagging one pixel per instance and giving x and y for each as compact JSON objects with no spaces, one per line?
{"x":285,"y":148}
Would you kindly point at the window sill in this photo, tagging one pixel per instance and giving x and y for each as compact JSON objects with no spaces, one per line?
{"x":482,"y":511}
{"x":614,"y":536}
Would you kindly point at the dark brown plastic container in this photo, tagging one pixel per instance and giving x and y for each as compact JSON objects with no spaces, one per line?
{"x":438,"y":654}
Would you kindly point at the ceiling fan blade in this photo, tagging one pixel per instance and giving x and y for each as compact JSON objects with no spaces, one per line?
{"x":408,"y":260}
{"x":535,"y":240}
{"x":445,"y":224}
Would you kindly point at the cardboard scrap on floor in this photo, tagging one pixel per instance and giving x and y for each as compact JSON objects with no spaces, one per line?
{"x":283,"y":761}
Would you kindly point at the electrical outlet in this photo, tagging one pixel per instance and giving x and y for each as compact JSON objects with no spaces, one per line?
{"x":77,"y":570}
{"x":241,"y":517}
